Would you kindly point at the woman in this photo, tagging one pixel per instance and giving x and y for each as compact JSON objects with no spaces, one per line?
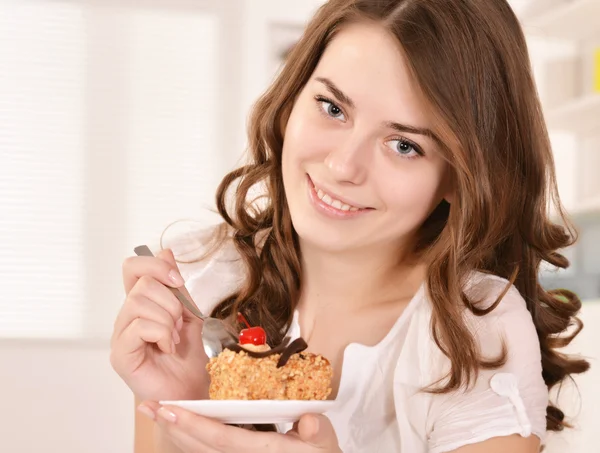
{"x":407,"y":171}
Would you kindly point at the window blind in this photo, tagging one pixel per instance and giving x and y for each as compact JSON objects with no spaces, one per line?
{"x":109,"y":131}
{"x":42,"y":77}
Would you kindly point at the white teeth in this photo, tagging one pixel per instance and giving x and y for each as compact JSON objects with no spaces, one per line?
{"x":325,"y":198}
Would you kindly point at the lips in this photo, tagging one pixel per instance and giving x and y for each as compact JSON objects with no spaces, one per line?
{"x":333,"y":202}
{"x":333,"y":205}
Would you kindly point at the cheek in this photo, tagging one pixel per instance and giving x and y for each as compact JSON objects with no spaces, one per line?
{"x":305,"y":139}
{"x":414,"y":192}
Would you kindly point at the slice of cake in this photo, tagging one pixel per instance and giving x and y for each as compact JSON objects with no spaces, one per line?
{"x":254,"y":371}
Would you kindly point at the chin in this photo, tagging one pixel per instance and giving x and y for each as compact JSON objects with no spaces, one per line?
{"x":322,"y":236}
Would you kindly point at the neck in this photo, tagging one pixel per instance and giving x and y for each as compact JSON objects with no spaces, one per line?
{"x":358,"y":278}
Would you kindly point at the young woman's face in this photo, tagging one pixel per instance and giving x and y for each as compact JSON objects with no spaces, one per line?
{"x":360,"y":165}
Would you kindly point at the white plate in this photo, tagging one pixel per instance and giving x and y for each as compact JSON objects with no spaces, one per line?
{"x":257,"y":411}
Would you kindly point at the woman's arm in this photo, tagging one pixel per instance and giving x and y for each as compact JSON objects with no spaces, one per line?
{"x":504,"y":410}
{"x":514,"y":444}
{"x":163,"y":445}
{"x":143,"y":432}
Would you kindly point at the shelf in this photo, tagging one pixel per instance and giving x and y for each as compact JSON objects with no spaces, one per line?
{"x":571,"y":20}
{"x":581,"y":116}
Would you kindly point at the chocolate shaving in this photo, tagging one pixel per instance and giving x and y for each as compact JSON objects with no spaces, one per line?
{"x":286,"y":351}
{"x":298,"y":345}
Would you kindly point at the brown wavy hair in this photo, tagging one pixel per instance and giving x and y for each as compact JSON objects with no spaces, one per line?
{"x":470,"y":59}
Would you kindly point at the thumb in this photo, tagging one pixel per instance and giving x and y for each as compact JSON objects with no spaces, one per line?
{"x":168,"y":256}
{"x":317,"y":430}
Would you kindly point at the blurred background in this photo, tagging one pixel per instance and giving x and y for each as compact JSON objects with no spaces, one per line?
{"x":118,"y":117}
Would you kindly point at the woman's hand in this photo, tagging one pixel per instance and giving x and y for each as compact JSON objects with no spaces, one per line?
{"x":156,"y":346}
{"x":193,"y":433}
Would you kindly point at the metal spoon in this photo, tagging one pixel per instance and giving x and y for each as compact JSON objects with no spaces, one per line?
{"x":216,"y":334}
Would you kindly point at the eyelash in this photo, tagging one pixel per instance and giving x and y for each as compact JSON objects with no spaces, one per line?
{"x":410,"y":143}
{"x":322,"y":99}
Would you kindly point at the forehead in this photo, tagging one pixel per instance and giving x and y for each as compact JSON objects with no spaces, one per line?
{"x":367,"y":63}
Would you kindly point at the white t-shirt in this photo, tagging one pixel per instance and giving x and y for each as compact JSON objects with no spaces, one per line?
{"x":380,"y":407}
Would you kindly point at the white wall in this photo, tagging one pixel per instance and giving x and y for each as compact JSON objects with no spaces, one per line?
{"x":581,"y":403}
{"x":54,"y":392}
{"x":60,"y":396}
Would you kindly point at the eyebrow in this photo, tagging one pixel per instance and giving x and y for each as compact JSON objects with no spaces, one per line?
{"x":339,"y":94}
{"x":343,"y":98}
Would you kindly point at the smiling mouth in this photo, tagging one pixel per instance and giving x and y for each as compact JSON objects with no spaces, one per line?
{"x":337,"y":204}
{"x":332,"y":202}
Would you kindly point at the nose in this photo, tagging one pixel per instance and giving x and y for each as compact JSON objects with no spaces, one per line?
{"x":348,"y":162}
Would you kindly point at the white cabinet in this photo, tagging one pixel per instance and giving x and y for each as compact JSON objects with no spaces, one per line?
{"x":563,"y":19}
{"x":564,"y":36}
{"x":267,"y":26}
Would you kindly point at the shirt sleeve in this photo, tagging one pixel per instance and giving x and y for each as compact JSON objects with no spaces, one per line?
{"x":505,"y":401}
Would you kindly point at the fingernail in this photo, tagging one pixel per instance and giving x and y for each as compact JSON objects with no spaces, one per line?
{"x":176,"y":337}
{"x":176,"y":277}
{"x":146,"y":411}
{"x":167,"y":415}
{"x":179,"y":324}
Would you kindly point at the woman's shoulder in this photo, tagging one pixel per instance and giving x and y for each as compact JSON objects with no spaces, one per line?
{"x":510,"y":315}
{"x":509,"y":319}
{"x":508,"y":325}
{"x":484,"y":290}
{"x":483,"y":410}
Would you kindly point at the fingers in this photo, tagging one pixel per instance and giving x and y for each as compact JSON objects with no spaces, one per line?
{"x":308,"y":427}
{"x":142,"y":331}
{"x":199,"y":433}
{"x":149,"y":299}
{"x":317,"y":430}
{"x":182,"y":440}
{"x":167,"y":256}
{"x":158,"y":268}
{"x":162,"y":268}
{"x":150,"y":314}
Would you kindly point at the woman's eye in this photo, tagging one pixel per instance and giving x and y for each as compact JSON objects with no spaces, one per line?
{"x":404,"y":148}
{"x":331,"y":109}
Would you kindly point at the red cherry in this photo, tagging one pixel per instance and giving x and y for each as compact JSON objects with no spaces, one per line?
{"x":253,"y":335}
